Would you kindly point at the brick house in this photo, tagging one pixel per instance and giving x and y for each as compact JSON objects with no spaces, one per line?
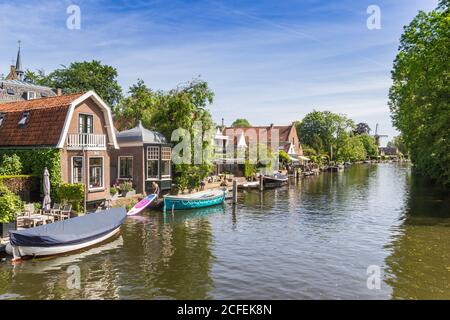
{"x":229,"y":137}
{"x":79,"y":125}
{"x":144,"y":157}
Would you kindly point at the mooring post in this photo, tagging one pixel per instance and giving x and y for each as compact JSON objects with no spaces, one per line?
{"x":234,"y":191}
{"x":261,"y":182}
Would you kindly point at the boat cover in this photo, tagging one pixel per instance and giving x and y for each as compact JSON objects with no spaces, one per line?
{"x":70,"y":231}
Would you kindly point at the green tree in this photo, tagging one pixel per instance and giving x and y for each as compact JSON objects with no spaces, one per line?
{"x":397,"y":142}
{"x":38,"y":77}
{"x":324,"y":131}
{"x":138,"y":106}
{"x":241,"y":123}
{"x":362,"y":128}
{"x":419,"y":96}
{"x":85,"y":76}
{"x":352,"y":149}
{"x":369,"y":145}
{"x":182,"y":108}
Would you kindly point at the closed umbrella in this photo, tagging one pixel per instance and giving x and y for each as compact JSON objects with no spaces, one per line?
{"x":46,"y":203}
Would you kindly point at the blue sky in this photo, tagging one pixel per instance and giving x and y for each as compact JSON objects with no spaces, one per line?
{"x":267,"y":61}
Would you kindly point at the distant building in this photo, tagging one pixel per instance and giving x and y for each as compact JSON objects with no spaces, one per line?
{"x":16,"y":88}
{"x":229,"y":138}
{"x":389,"y":152}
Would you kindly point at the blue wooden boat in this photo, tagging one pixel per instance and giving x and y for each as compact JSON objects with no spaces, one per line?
{"x":194,"y":200}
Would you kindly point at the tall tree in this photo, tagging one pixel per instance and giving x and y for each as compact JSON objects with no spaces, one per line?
{"x":369,"y":144}
{"x":84,"y":76}
{"x":241,"y":123}
{"x":420,"y":93}
{"x":138,"y":106}
{"x":183,"y":107}
{"x":362,"y":128}
{"x":324,"y":131}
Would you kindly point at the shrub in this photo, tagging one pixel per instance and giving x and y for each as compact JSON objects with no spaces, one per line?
{"x":10,"y":205}
{"x":113,"y":191}
{"x":284,"y":157}
{"x":10,"y":165}
{"x":37,"y":206}
{"x":71,"y":193}
{"x":126,"y":186}
{"x":249,"y":169}
{"x":34,"y":161}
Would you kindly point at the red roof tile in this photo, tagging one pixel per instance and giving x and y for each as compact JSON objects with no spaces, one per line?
{"x":45,"y":122}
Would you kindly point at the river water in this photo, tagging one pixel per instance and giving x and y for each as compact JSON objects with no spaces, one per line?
{"x":324,"y":237}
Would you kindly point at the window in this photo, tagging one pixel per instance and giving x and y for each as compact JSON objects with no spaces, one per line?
{"x":165,"y":162}
{"x":152,"y":162}
{"x":125,"y":167}
{"x":10,"y":91}
{"x":2,"y":118}
{"x":31,"y":95}
{"x":85,"y":123}
{"x":44,"y":94}
{"x":24,"y":119}
{"x":95,"y":173}
{"x":77,"y":170}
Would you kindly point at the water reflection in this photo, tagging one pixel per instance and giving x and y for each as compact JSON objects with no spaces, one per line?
{"x":312,"y":239}
{"x":419,"y":266}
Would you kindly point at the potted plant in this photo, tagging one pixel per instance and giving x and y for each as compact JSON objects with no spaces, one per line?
{"x":114,"y":193}
{"x":127,"y":189}
{"x":10,"y":205}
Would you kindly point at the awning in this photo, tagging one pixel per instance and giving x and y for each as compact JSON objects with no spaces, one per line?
{"x":293,"y":159}
{"x":304,"y":158}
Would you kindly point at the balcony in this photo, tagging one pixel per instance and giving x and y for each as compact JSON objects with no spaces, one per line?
{"x":86,"y":141}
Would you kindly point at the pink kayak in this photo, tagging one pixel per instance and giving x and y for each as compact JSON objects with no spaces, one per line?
{"x":141,"y":205}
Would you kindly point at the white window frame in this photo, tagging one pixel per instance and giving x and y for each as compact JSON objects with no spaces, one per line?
{"x":158,"y":161}
{"x":89,"y":174}
{"x":118,"y":168}
{"x":31,"y":95}
{"x":82,"y":168}
{"x":85,"y":114}
{"x":167,"y":176}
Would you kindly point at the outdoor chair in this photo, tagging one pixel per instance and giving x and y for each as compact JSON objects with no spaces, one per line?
{"x":65,"y":212}
{"x":56,"y":211}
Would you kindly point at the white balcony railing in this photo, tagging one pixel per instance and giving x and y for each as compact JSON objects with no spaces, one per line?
{"x":77,"y":141}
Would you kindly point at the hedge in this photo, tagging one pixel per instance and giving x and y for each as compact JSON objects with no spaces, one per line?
{"x":34,"y":161}
{"x":27,"y":186}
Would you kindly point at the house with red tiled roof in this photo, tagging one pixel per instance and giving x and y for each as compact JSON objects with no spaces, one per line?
{"x":80,"y":125}
{"x":274,"y":136}
{"x":284,"y":137}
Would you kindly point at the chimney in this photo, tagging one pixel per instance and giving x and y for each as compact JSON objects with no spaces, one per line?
{"x":271,"y":126}
{"x":58,"y":92}
{"x":223,"y":122}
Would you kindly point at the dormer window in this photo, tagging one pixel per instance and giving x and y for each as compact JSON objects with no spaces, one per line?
{"x":2,"y":119}
{"x":10,"y":91}
{"x":31,"y":95}
{"x":24,"y":119}
{"x":44,"y":94}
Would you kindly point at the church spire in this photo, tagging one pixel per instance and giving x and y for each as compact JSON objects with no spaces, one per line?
{"x":19,"y":70}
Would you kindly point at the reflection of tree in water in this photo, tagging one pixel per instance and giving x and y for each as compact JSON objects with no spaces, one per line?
{"x":173,"y":257}
{"x":419,"y":265}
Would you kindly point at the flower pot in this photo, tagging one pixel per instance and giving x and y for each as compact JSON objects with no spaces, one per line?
{"x":6,"y":227}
